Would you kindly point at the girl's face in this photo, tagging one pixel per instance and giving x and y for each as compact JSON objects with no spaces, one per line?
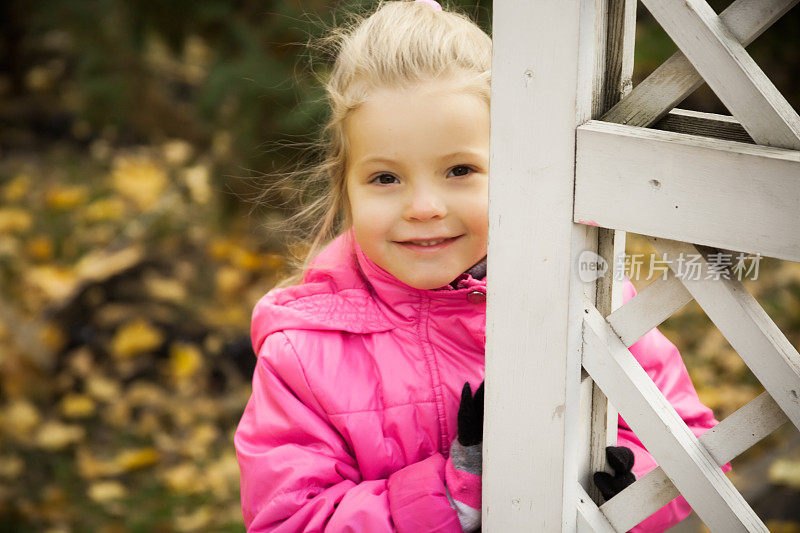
{"x":418,"y":174}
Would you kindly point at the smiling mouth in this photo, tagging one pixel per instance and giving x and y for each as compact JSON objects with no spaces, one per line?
{"x":429,"y":242}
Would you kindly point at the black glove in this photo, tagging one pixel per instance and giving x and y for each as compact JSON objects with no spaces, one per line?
{"x":620,"y":458}
{"x":470,"y":416}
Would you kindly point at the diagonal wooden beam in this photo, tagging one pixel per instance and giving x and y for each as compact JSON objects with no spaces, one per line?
{"x":729,"y":70}
{"x":673,"y":445}
{"x":725,"y":441}
{"x":676,"y":78}
{"x":746,"y":326}
{"x":649,"y":308}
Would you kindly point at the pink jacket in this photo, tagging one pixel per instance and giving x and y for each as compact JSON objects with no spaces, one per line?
{"x":355,"y":396}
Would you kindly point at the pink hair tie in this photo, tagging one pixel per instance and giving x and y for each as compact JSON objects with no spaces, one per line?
{"x":433,"y":3}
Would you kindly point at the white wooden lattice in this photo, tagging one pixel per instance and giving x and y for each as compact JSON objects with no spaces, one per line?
{"x":574,"y":166}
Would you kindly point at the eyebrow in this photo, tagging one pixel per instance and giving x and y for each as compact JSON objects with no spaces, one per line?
{"x":376,"y":159}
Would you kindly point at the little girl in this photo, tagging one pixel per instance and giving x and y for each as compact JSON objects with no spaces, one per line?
{"x":367,"y":406}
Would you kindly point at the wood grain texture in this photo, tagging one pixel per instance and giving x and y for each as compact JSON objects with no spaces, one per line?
{"x":615,"y":26}
{"x":725,"y":194}
{"x":707,"y":124}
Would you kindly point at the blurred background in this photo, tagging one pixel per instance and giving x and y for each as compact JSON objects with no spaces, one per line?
{"x":133,"y":246}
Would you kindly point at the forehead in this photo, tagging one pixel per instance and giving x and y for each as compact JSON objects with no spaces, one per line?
{"x":425,"y":121}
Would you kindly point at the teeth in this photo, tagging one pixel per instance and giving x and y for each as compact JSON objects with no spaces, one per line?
{"x":428,"y":243}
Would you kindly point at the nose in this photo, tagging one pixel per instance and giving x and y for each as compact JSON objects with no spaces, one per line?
{"x":425,"y":202}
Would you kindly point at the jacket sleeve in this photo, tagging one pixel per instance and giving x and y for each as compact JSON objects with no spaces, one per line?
{"x":663,"y":363}
{"x":298,"y":474}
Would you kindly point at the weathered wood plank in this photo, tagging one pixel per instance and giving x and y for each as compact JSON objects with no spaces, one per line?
{"x":729,"y":70}
{"x":746,"y":326}
{"x":649,"y":308}
{"x":729,"y":195}
{"x":688,"y":464}
{"x":707,"y":124}
{"x":614,"y":29}
{"x":533,"y":329}
{"x":743,"y":429}
{"x":676,"y":78}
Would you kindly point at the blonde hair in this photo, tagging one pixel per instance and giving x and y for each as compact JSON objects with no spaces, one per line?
{"x":400,"y":44}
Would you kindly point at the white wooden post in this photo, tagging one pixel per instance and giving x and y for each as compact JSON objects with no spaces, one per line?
{"x":548,"y":76}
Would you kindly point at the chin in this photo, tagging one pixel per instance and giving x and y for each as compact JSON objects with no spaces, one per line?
{"x":428,"y":283}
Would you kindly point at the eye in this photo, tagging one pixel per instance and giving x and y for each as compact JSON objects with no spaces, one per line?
{"x":462,"y":168}
{"x":379,"y":179}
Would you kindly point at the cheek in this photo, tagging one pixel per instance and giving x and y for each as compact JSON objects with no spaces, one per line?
{"x":372,"y":215}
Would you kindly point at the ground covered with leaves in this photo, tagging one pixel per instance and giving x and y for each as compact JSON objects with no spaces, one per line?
{"x":125,"y":358}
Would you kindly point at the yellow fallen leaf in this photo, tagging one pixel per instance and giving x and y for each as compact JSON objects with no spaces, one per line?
{"x":105,"y":491}
{"x":184,"y":360}
{"x":100,"y":265}
{"x":139,"y":179}
{"x":77,"y":406}
{"x":90,"y":467}
{"x":66,"y":196}
{"x":246,"y":259}
{"x":229,"y":282}
{"x":55,"y":282}
{"x":135,"y":337}
{"x":54,"y":435}
{"x":137,"y":458}
{"x":168,"y":289}
{"x":19,"y":418}
{"x":176,"y":151}
{"x":14,"y":220}
{"x":112,"y":208}
{"x":184,"y":478}
{"x":101,"y":388}
{"x":197,"y":182}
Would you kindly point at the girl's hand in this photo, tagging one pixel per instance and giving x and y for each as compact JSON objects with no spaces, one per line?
{"x":470,"y":416}
{"x":463,"y":468}
{"x":620,"y":458}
